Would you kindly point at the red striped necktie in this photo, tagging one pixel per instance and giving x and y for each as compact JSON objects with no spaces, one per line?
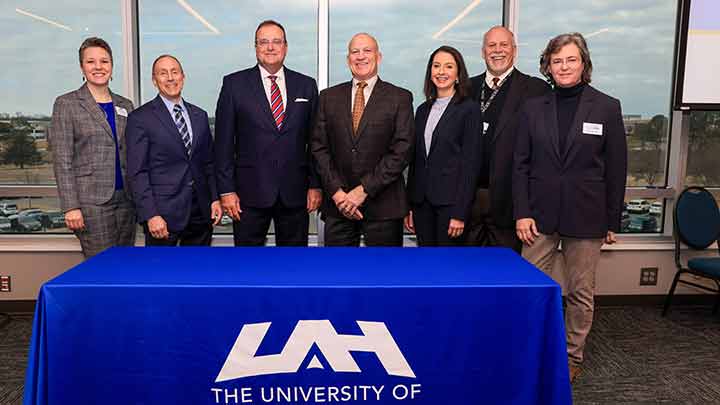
{"x":276,"y":102}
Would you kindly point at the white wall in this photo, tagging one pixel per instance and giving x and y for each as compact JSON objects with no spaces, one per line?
{"x":618,"y":271}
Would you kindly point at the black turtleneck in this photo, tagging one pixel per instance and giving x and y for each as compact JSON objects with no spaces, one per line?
{"x":568,"y":99}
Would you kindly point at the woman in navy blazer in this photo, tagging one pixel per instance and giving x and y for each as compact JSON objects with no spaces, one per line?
{"x":569,"y":179}
{"x":443,"y":173}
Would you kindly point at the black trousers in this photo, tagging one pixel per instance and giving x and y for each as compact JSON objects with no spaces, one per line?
{"x":198,"y":231}
{"x":431,"y":225}
{"x":291,"y":225}
{"x":346,"y":232}
{"x":482,"y":229}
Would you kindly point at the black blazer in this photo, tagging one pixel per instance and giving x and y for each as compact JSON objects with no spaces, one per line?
{"x":578,"y":193}
{"x":502,"y":143}
{"x":161,"y":174}
{"x":376,"y":157}
{"x":253,"y":157}
{"x":448,"y":174}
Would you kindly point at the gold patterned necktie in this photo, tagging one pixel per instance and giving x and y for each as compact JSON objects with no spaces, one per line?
{"x":358,"y":106}
{"x":495,"y":81}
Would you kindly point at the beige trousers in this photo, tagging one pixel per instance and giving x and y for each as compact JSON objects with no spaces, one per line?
{"x":580,"y":258}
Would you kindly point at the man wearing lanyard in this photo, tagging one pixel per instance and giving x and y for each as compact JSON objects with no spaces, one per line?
{"x":500,"y":91}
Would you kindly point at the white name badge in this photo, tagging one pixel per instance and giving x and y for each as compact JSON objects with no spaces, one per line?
{"x":485,"y":127}
{"x":592,"y":129}
{"x":121,"y":111}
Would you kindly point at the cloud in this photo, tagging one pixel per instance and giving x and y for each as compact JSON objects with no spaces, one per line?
{"x":633,"y":53}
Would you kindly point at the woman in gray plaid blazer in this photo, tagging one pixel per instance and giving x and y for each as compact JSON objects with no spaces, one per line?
{"x":87,"y":137}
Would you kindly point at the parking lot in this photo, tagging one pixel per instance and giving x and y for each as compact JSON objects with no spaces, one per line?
{"x":33,"y":215}
{"x":642,"y":216}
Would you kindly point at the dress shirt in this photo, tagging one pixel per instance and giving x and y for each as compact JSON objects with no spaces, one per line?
{"x":367,"y":91}
{"x":489,"y":77}
{"x":171,"y":106}
{"x":280,"y":80}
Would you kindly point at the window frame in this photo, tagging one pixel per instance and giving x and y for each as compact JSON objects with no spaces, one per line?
{"x":676,"y":155}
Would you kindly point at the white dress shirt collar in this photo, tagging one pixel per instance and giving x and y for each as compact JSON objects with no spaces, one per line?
{"x":170,"y":105}
{"x":489,"y":76}
{"x":267,"y":84}
{"x":265,"y":74}
{"x":367,"y":91}
{"x":370,"y":84}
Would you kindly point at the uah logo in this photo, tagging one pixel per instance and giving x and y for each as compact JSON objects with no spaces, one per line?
{"x":376,"y":338}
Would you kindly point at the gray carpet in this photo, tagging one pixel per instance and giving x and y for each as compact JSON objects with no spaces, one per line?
{"x":633,"y":357}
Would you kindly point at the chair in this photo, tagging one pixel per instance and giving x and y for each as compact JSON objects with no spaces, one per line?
{"x":696,"y":223}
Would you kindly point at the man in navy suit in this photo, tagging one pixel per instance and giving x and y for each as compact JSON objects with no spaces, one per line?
{"x":262,"y":125}
{"x":170,"y":164}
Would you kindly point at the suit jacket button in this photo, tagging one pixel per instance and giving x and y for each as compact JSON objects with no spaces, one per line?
{"x":192,"y":183}
{"x":354,"y":150}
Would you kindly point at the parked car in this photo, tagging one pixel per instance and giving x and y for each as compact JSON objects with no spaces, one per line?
{"x":656,"y":208}
{"x":624,"y":221}
{"x":643,"y":224}
{"x":5,"y":225}
{"x":8,"y":209}
{"x":34,"y":213}
{"x":638,"y":206}
{"x":54,"y":219}
{"x":26,"y":224}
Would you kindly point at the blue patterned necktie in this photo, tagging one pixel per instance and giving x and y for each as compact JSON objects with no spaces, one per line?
{"x":182,"y":127}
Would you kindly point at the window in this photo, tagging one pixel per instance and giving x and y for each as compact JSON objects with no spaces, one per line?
{"x":642,"y":215}
{"x":31,"y":215}
{"x":40,"y":62}
{"x":703,"y":168}
{"x":215,"y":38}
{"x":407,"y":32}
{"x":631,"y":44}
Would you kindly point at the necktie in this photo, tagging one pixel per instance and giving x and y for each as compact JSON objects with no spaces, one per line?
{"x":276,"y":102}
{"x":495,"y":81}
{"x":358,"y":106}
{"x":182,"y":127}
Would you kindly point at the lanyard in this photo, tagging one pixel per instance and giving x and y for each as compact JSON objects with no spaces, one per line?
{"x":484,"y":105}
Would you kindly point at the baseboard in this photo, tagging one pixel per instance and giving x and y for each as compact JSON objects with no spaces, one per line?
{"x":654,"y":300}
{"x":10,"y":306}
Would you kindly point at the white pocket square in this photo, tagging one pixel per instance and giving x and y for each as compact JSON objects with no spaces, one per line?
{"x":301,"y":100}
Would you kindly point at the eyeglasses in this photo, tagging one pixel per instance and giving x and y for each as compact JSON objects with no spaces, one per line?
{"x":266,"y":42}
{"x":570,"y":62}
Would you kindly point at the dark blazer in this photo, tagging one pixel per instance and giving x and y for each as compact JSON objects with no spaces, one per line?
{"x":253,"y":157}
{"x":161,"y":174}
{"x":376,"y":157}
{"x":502,"y":143}
{"x":83,"y":148}
{"x":448,"y":174}
{"x":578,"y":193}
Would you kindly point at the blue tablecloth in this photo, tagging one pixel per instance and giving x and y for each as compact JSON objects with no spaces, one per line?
{"x":293,"y":325}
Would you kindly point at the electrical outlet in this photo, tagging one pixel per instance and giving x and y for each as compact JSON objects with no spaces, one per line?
{"x":4,"y":283}
{"x":648,"y":276}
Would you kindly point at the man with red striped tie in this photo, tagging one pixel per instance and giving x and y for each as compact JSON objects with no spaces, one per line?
{"x":264,"y":168}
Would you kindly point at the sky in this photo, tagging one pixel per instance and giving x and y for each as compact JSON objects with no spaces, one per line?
{"x":631,"y":42}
